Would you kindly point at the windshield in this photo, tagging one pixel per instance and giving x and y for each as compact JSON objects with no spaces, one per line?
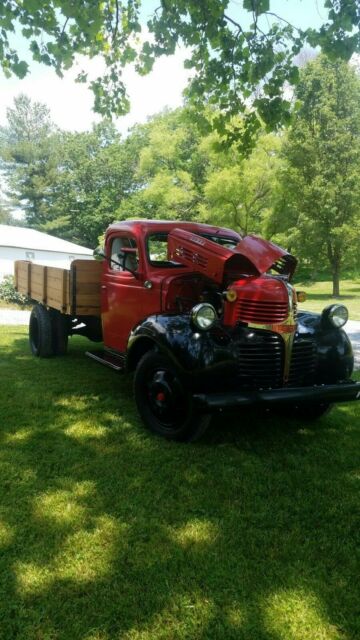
{"x":157,"y":248}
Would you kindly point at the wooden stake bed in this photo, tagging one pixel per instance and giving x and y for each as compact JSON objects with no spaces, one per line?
{"x":74,"y":291}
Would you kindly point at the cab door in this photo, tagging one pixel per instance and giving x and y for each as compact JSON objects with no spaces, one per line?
{"x":125,"y":300}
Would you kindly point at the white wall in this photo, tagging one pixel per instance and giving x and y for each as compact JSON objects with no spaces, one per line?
{"x":8,"y":255}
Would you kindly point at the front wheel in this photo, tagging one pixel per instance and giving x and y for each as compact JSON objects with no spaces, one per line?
{"x":163,"y":402}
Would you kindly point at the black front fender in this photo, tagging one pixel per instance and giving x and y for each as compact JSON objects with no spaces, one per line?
{"x":334,"y":349}
{"x":192,"y":351}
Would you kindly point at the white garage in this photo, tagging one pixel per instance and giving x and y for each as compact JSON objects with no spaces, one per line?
{"x":20,"y":243}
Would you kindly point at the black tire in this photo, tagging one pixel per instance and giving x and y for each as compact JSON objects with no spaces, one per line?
{"x":60,"y":332}
{"x":163,"y":402}
{"x":40,"y":332}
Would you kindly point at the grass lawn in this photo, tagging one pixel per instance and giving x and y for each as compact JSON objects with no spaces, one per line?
{"x":319,"y":296}
{"x":109,"y":533}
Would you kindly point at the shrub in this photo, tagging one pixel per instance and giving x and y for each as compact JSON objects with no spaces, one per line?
{"x":9,"y":294}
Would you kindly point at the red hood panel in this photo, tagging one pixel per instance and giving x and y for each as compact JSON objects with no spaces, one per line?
{"x":264,"y":254}
{"x":263,"y":301}
{"x":252,"y":256}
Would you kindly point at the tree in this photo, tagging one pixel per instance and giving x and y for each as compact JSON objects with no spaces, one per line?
{"x":5,"y":214}
{"x":68,"y":184}
{"x":170,"y":171}
{"x":239,"y":191}
{"x":27,"y":147}
{"x":231,"y":52}
{"x":96,"y":171}
{"x":319,"y":208}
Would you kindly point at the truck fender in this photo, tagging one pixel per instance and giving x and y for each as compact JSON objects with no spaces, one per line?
{"x":171,"y":335}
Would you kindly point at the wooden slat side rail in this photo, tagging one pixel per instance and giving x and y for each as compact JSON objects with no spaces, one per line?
{"x":85,"y":280}
{"x":38,"y":283}
{"x":22,"y":276}
{"x":74,"y":292}
{"x":48,"y":285}
{"x":57,"y":288}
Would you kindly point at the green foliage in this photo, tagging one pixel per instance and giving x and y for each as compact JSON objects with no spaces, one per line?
{"x":231,"y":54}
{"x":170,"y":170}
{"x":95,"y":172}
{"x":190,"y":176}
{"x":28,"y":146}
{"x":9,"y":294}
{"x":239,"y":191}
{"x":318,"y":213}
{"x":68,"y":184}
{"x":5,"y":215}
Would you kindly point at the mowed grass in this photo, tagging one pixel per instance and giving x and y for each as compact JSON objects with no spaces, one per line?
{"x":108,"y":532}
{"x":319,"y":296}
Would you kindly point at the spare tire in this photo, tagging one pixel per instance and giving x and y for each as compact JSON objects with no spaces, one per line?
{"x":40,"y":332}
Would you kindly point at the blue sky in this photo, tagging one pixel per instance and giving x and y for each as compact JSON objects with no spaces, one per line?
{"x":71,"y":104}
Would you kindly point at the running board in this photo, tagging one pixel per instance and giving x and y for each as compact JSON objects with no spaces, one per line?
{"x":112,"y":360}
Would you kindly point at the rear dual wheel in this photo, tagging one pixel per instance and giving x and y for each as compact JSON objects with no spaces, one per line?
{"x":48,"y":332}
{"x":164,"y":403}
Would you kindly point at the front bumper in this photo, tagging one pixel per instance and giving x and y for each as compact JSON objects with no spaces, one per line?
{"x":331,"y":393}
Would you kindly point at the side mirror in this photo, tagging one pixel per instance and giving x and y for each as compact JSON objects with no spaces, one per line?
{"x":99,"y":253}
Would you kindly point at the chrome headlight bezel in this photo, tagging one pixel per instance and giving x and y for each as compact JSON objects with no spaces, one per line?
{"x":199,"y":318}
{"x":335,"y":316}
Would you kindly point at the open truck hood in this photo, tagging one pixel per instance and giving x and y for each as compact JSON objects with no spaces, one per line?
{"x":252,"y":256}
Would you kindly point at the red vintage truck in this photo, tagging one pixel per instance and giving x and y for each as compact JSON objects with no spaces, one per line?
{"x":206,"y":319}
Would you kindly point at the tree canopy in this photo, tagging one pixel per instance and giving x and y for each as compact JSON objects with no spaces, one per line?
{"x":319,"y":208}
{"x":299,"y":188}
{"x":238,"y":53}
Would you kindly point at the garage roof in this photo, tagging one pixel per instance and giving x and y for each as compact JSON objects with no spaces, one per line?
{"x":24,"y":238}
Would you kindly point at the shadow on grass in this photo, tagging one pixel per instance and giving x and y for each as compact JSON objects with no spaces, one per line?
{"x":108,"y":532}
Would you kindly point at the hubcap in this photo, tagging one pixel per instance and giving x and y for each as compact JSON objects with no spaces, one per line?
{"x":166,"y":398}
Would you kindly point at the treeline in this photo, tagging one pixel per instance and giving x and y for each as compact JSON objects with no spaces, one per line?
{"x":300,"y":188}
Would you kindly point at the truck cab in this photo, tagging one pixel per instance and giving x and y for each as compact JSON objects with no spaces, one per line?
{"x":137,"y":274}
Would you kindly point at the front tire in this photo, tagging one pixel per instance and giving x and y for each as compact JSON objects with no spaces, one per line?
{"x":163,"y":401}
{"x":40,"y":332}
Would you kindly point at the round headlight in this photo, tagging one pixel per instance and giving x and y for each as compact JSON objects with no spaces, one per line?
{"x":337,"y":315}
{"x":203,"y":316}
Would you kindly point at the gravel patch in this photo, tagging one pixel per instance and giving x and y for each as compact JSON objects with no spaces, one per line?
{"x":10,"y":316}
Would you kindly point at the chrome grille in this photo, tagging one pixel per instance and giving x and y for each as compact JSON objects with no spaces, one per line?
{"x":261,"y":311}
{"x":303,"y":363}
{"x":260,"y":360}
